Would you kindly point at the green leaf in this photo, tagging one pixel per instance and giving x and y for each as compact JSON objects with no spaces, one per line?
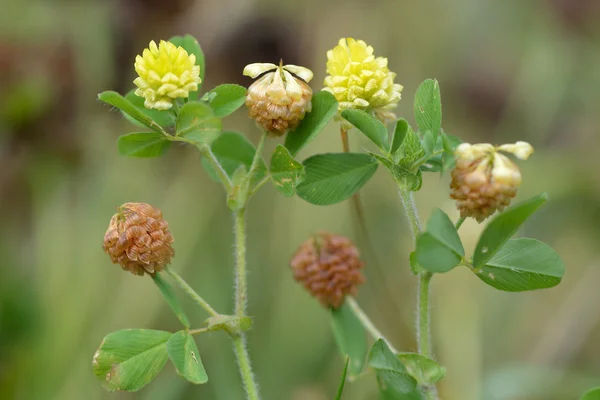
{"x":503,"y":226}
{"x":324,"y":107}
{"x":369,"y":126}
{"x":120,"y":102}
{"x":233,"y":149}
{"x":593,"y":394}
{"x":286,"y":173}
{"x":191,"y":45}
{"x":350,"y":337}
{"x":522,"y":264}
{"x":183,"y":353}
{"x":442,"y":229}
{"x":171,"y":299}
{"x":225,"y":99}
{"x":393,"y":378}
{"x":163,"y":118}
{"x":428,"y":143}
{"x":409,"y":152}
{"x":340,"y":390}
{"x":333,"y":177}
{"x":428,"y":107}
{"x":449,"y":144}
{"x":425,"y":370}
{"x":131,"y":358}
{"x":435,"y":256}
{"x":439,"y":249}
{"x":143,"y":144}
{"x":229,"y":323}
{"x":399,"y":134}
{"x":197,"y":123}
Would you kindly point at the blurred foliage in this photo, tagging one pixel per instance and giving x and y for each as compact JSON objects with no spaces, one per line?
{"x":508,"y":71}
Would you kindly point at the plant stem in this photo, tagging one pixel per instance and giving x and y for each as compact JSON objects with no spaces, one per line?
{"x":241,"y":294}
{"x":191,"y":292}
{"x":241,"y":286}
{"x":411,"y":211}
{"x":459,"y":222}
{"x":241,"y":352}
{"x":209,"y":156}
{"x":197,"y":331}
{"x":423,"y":328}
{"x":345,"y":142}
{"x":367,"y":323}
{"x":257,"y":154}
{"x":423,"y":333}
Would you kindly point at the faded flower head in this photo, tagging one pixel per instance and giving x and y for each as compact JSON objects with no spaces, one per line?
{"x":359,"y":80}
{"x":280,"y":98}
{"x":328,"y":266}
{"x":166,"y":72}
{"x":485,"y":180}
{"x":138,"y":238}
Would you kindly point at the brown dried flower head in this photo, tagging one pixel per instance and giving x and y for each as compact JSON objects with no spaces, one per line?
{"x":280,"y":98}
{"x":138,"y":239}
{"x":485,"y":180}
{"x":328,"y":266}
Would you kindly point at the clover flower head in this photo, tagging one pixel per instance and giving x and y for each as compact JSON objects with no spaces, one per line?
{"x":280,"y":97}
{"x":359,"y":80}
{"x":484,"y":180}
{"x":328,"y":266}
{"x":165,"y":72}
{"x":138,"y":238}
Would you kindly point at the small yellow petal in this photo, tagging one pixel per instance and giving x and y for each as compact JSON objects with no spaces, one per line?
{"x":254,"y":70}
{"x":304,"y":73}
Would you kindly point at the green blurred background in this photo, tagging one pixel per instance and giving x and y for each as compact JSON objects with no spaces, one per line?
{"x":509,"y":70}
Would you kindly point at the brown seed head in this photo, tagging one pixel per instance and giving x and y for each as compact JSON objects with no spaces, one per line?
{"x":484,"y":180}
{"x":328,"y":266}
{"x":138,"y":238}
{"x":280,"y":98}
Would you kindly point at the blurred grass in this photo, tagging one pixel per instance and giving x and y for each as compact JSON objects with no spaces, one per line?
{"x":508,"y":71}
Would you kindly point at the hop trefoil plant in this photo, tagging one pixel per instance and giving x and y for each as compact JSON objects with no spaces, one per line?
{"x":360,"y":94}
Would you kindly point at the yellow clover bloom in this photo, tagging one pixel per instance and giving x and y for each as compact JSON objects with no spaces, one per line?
{"x":166,"y":72}
{"x":485,"y":180}
{"x":359,"y":80}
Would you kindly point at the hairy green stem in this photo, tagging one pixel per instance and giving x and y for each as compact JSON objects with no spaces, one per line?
{"x":241,"y":286}
{"x":459,"y":222}
{"x":241,"y":295}
{"x":257,"y":154}
{"x":243,"y":358}
{"x":423,"y":328}
{"x":367,"y":323}
{"x":241,"y":282}
{"x":411,"y":211}
{"x":209,"y":156}
{"x":191,"y":292}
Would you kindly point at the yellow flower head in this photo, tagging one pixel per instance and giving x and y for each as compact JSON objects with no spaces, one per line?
{"x":280,"y":97}
{"x":359,"y":80}
{"x":166,"y":72}
{"x":485,"y":180}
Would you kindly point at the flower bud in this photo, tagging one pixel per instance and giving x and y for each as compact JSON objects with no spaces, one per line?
{"x":484,"y":180}
{"x":359,"y":80}
{"x":280,"y":98}
{"x":166,"y":72}
{"x":138,"y":238}
{"x":328,"y":266}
